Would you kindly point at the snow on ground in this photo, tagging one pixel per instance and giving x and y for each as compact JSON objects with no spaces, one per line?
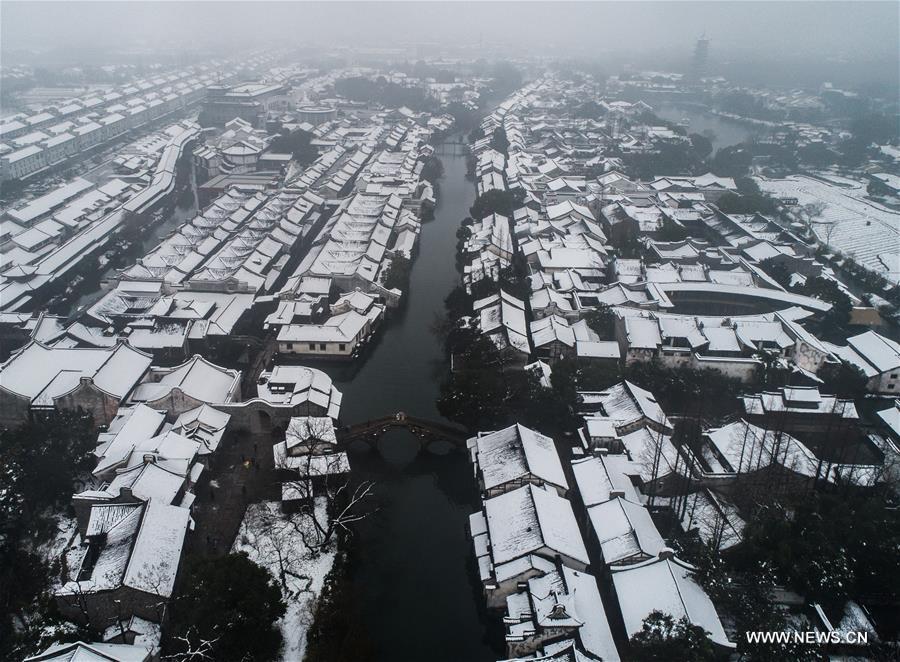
{"x":64,"y":542}
{"x":864,"y":230}
{"x":64,"y":538}
{"x":272,"y":539}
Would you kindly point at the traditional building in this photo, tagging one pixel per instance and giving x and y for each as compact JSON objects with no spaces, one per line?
{"x":513,"y":457}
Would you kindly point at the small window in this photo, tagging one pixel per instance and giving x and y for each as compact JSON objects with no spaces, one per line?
{"x":891,"y":387}
{"x":342,"y":347}
{"x":893,"y":375}
{"x":289,"y":345}
{"x":322,"y":346}
{"x":312,"y":346}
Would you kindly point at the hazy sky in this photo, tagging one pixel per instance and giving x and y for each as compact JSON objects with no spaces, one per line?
{"x":861,"y":30}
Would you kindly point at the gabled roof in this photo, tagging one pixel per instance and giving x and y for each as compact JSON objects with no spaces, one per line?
{"x":562,"y":599}
{"x":626,"y":404}
{"x":743,"y":448}
{"x":666,"y":585}
{"x":203,"y":424}
{"x":625,"y":531}
{"x":514,"y":452}
{"x":80,"y":651}
{"x":881,"y":353}
{"x":602,"y":477}
{"x":140,"y":548}
{"x":530,"y":519}
{"x":197,"y":378}
{"x":127,"y":451}
{"x":43,"y":373}
{"x":716,"y":521}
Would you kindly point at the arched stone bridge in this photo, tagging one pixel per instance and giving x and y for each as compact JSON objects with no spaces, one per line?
{"x":426,"y":431}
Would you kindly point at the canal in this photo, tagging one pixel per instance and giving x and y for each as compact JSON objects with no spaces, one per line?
{"x":413,"y":576}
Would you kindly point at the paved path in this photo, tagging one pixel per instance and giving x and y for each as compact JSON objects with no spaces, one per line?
{"x":242,"y":473}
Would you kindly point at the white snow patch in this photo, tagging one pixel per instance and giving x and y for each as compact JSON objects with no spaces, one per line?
{"x":271,"y":539}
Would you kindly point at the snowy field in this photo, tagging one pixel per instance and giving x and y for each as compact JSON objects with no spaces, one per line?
{"x":861,"y":229}
{"x":276,"y":541}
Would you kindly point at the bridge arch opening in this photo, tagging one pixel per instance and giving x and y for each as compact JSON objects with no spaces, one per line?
{"x":400,"y":436}
{"x":399,"y":446}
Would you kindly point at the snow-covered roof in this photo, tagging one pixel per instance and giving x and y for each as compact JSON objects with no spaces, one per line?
{"x":603,"y":477}
{"x":652,"y":452}
{"x":625,"y":530}
{"x":310,"y":429}
{"x":43,"y":373}
{"x":516,"y":452}
{"x":532,"y":519}
{"x":138,"y":546}
{"x":80,"y":651}
{"x":666,"y":585}
{"x":626,"y":404}
{"x":203,"y":424}
{"x":197,"y":378}
{"x":891,"y":417}
{"x":344,"y":327}
{"x":157,"y":549}
{"x":716,"y":521}
{"x":169,"y":448}
{"x":799,"y":400}
{"x":741,"y":447}
{"x":503,"y":316}
{"x":880,"y":352}
{"x":309,"y":466}
{"x":294,"y":385}
{"x":563,"y":599}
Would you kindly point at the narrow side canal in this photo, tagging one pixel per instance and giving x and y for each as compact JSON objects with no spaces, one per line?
{"x":413,"y":576}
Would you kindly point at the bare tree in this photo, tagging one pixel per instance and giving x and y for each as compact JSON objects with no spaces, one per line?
{"x":272,"y":536}
{"x":344,"y":506}
{"x":330,"y":500}
{"x":196,"y":648}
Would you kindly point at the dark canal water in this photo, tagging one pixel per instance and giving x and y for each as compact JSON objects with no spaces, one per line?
{"x":413,"y":576}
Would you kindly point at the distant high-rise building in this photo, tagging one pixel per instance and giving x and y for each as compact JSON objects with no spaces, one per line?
{"x":701,"y":58}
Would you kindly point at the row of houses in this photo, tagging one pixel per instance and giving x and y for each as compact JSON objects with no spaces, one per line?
{"x":703,"y":302}
{"x":569,"y":562}
{"x":788,"y":440}
{"x":573,"y":556}
{"x":51,"y":235}
{"x":378,"y":223}
{"x":64,"y":133}
{"x":160,"y":429}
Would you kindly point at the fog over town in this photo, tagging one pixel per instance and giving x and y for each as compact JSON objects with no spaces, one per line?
{"x":452,"y":331}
